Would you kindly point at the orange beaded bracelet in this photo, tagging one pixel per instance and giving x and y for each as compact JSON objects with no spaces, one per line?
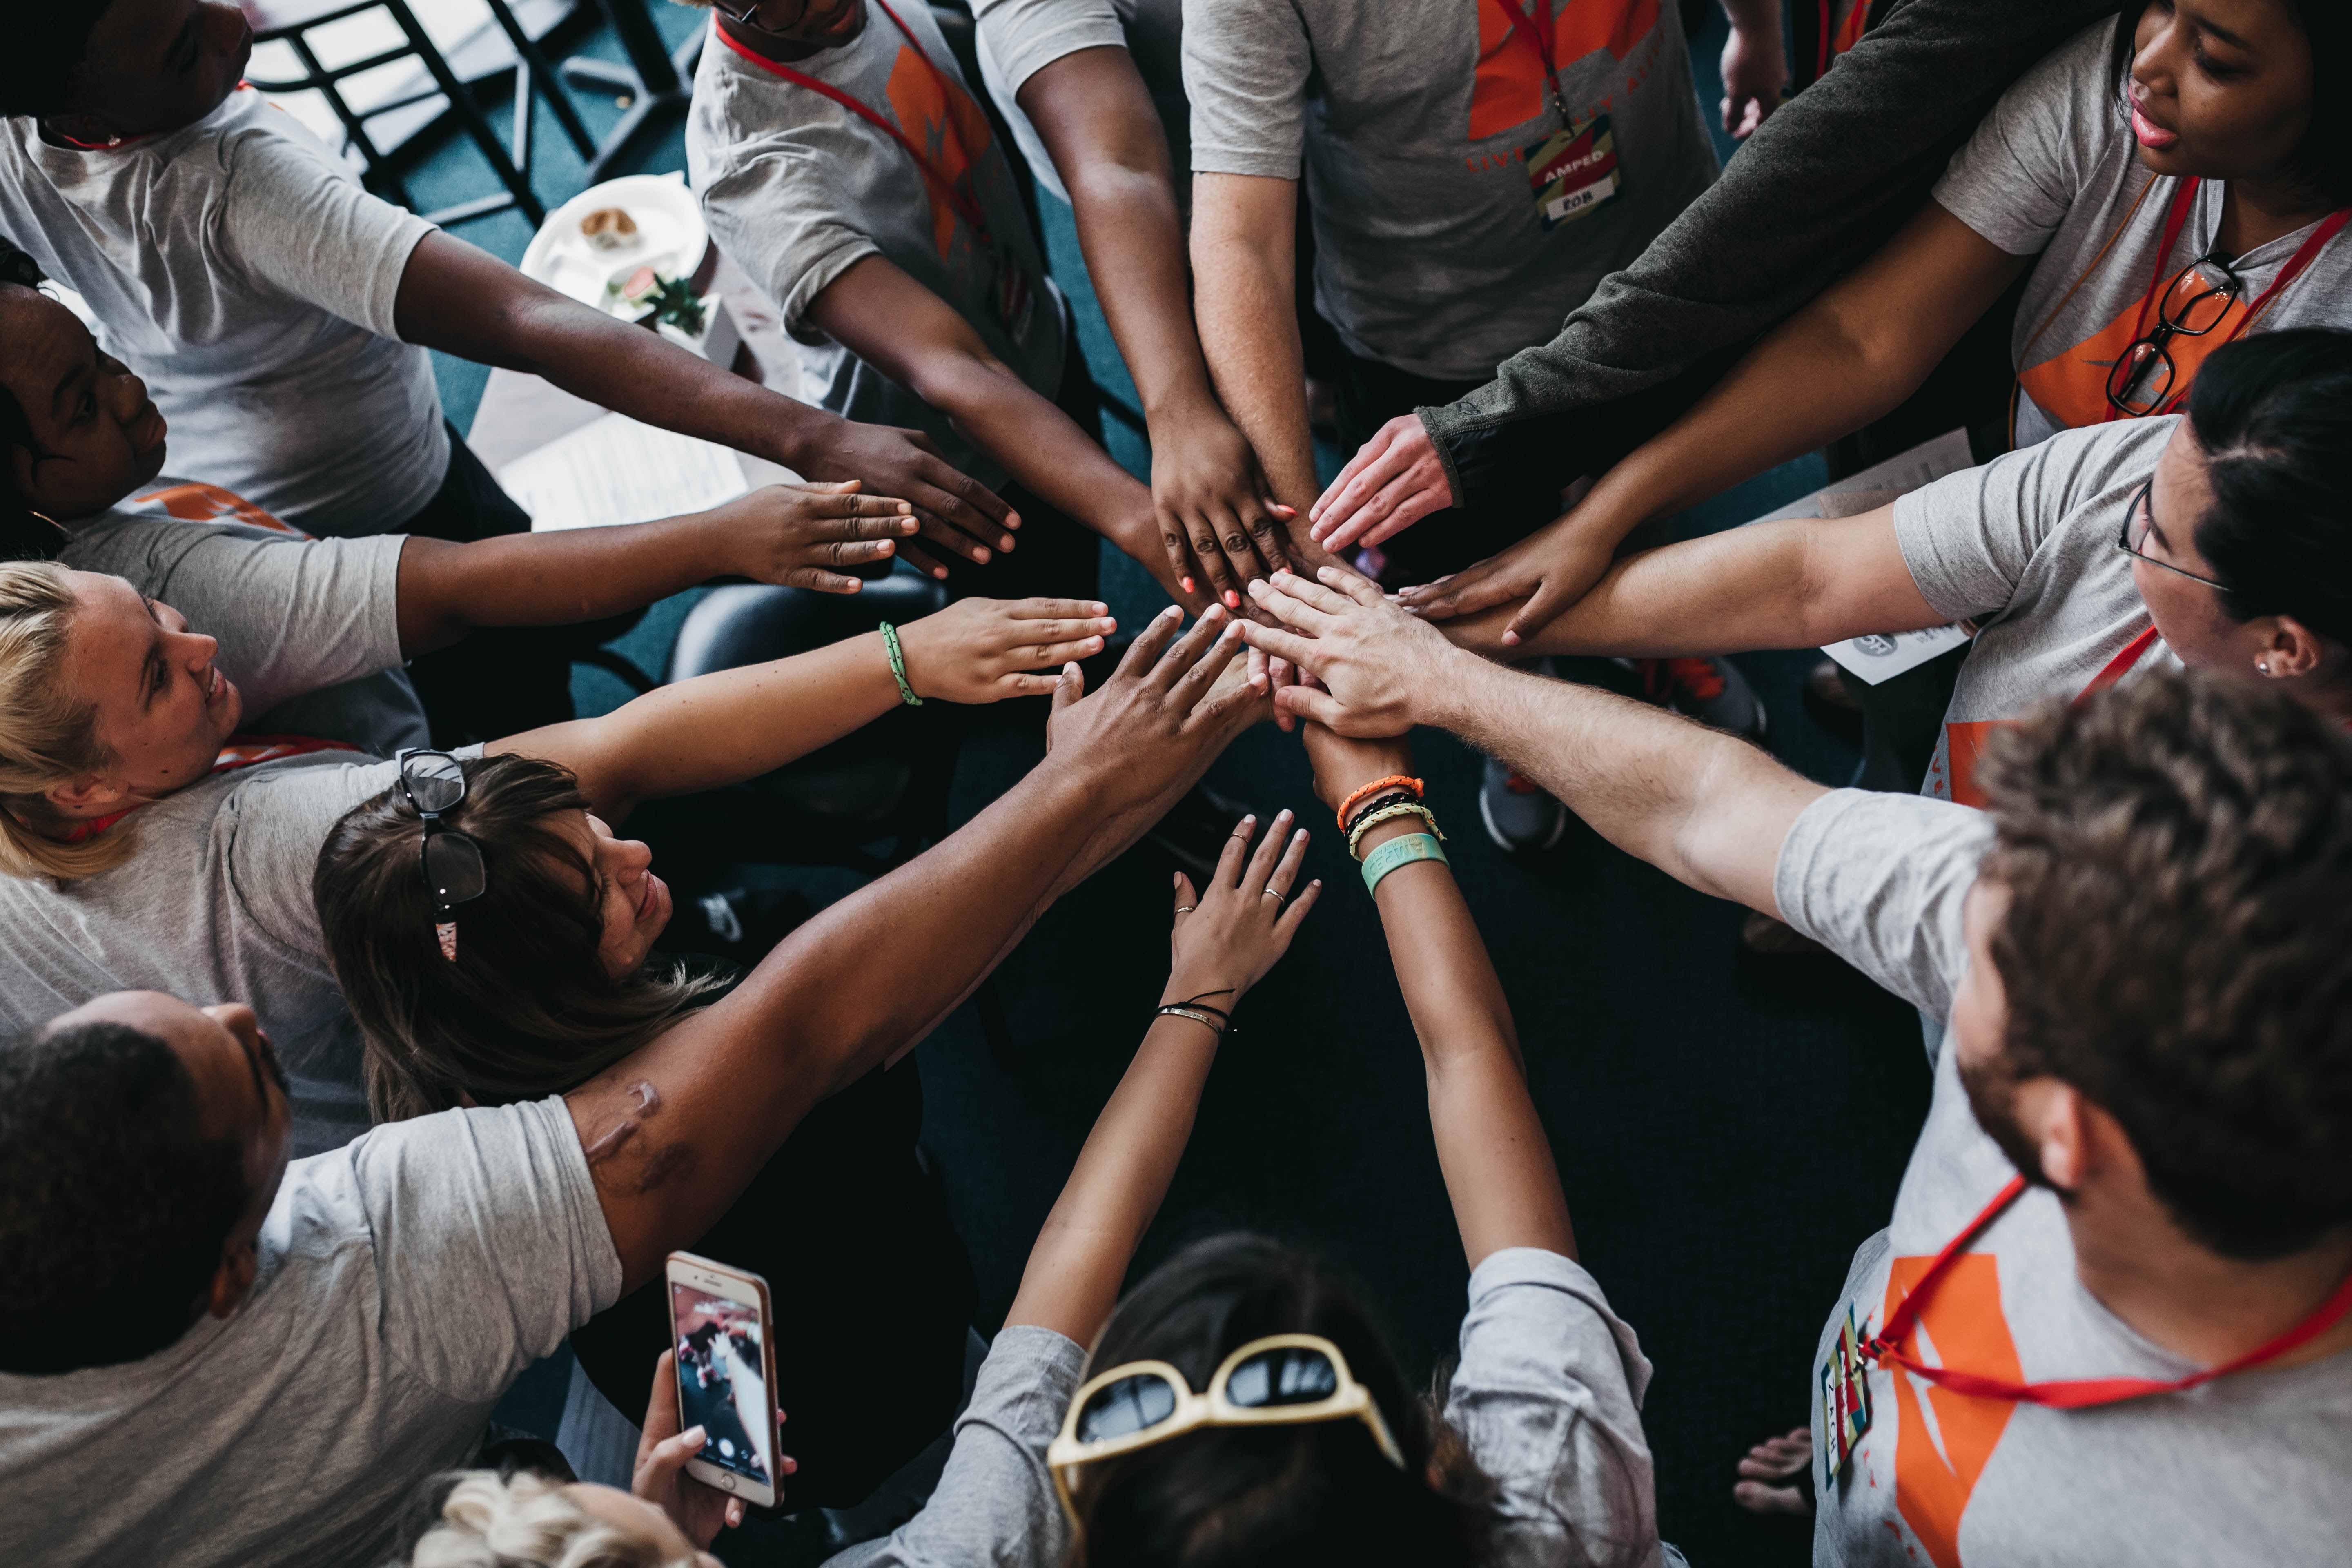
{"x":1392,"y":781}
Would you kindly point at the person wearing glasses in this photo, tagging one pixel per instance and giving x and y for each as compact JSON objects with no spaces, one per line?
{"x":264,"y":1355}
{"x":2219,"y":537}
{"x":2166,"y":183}
{"x":1239,"y":1399}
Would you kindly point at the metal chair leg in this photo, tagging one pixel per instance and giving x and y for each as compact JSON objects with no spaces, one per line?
{"x":532,"y":70}
{"x":469,"y":115}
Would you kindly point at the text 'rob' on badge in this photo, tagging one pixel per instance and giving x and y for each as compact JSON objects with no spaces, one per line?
{"x":1574,"y":171}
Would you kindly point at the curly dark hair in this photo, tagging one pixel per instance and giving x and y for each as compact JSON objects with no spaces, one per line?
{"x":25,"y":535}
{"x":115,"y":1203}
{"x":45,"y":46}
{"x":2177,"y":854}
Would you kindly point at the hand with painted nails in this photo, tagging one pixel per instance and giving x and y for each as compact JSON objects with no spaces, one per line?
{"x":820,"y":537}
{"x":1377,"y":664}
{"x":1158,"y":719}
{"x":1218,"y":522}
{"x":984,"y":650}
{"x":660,"y":1478}
{"x":1549,"y":569}
{"x":1389,"y":485}
{"x":1229,"y":933}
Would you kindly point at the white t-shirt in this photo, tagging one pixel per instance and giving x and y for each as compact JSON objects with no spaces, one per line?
{"x":798,"y":189}
{"x":1018,"y":38}
{"x":239,"y":267}
{"x":272,"y":598}
{"x":2054,"y":165}
{"x":1411,"y":120}
{"x":1548,"y":1396}
{"x":405,"y":1281}
{"x":2026,"y":546}
{"x":2249,"y":1468}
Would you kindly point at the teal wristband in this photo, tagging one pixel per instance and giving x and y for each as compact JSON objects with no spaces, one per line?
{"x":899,"y":665}
{"x":1399,"y":852}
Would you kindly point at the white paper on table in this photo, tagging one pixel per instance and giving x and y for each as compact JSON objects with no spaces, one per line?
{"x":1880,"y":657}
{"x":615,"y":470}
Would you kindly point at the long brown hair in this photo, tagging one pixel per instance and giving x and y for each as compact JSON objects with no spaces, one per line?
{"x":526,"y":1008}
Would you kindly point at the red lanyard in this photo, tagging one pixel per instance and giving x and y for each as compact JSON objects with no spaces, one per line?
{"x":2117,"y":667}
{"x":2296,"y":265}
{"x":1540,"y":40}
{"x":965,"y":207}
{"x":240,"y":752}
{"x":2076,"y":1393}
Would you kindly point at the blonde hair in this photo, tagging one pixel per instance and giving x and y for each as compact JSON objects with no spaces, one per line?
{"x":528,"y":1521}
{"x":46,"y":737}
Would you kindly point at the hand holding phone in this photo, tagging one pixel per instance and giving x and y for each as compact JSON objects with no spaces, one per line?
{"x":718,"y":1375}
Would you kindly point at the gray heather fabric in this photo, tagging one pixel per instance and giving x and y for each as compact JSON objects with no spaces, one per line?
{"x":1824,"y":181}
{"x":2246,"y":1469}
{"x":239,"y":267}
{"x":278,"y":602}
{"x":406,"y":1282}
{"x":1408,"y":121}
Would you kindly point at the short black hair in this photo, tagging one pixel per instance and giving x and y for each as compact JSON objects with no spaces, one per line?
{"x":114,"y":1204}
{"x":25,"y":535}
{"x":47,"y":43}
{"x":2178,"y":853}
{"x":2273,"y":414}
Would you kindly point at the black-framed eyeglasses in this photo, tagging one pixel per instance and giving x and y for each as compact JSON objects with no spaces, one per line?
{"x":2141,"y":378}
{"x":749,"y":16}
{"x":434,"y":783}
{"x":2141,"y":520}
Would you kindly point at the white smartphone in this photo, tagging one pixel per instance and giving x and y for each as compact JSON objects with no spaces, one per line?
{"x":718,"y":1319}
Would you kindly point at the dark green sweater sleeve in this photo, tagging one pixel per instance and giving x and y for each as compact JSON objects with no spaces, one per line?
{"x":1819,"y":186}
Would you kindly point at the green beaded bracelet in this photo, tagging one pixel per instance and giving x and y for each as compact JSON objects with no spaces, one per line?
{"x":899,"y":665}
{"x":1399,"y":852}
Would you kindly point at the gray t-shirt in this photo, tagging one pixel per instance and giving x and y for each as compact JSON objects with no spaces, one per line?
{"x":798,"y":189}
{"x":1547,"y":1395}
{"x":1412,"y":120}
{"x":2055,"y":165}
{"x":1018,"y":38}
{"x":239,"y":267}
{"x":2245,"y":1469}
{"x":405,"y":1281}
{"x":2026,"y":546}
{"x":276,"y":601}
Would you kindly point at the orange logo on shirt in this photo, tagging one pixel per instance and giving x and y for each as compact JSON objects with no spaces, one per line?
{"x":1509,"y":87}
{"x":2072,"y":387}
{"x":210,"y":503}
{"x":1937,"y":1461}
{"x":951,"y":130}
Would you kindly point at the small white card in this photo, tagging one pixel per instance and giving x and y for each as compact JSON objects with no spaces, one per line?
{"x":615,"y":470}
{"x":1882,"y":655}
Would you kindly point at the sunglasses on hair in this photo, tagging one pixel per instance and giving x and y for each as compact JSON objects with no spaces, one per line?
{"x":433,"y":782}
{"x":1283,"y":1380}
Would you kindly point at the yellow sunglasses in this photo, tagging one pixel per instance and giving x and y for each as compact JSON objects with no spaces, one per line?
{"x":1283,"y":1380}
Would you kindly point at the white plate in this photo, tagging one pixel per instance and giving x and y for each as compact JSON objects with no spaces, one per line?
{"x":670,"y":237}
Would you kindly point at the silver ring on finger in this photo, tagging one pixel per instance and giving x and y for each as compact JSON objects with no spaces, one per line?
{"x":1276,"y":894}
{"x":1186,"y":908}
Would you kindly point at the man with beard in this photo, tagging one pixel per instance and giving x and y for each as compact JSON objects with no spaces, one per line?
{"x":2108,"y":1321}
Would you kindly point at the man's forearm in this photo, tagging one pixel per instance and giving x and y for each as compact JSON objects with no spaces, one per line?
{"x":1249,"y":330}
{"x":1705,"y":807}
{"x":550,"y":579}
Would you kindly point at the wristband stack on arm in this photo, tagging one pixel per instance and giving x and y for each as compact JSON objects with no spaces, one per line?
{"x":1385,"y":800}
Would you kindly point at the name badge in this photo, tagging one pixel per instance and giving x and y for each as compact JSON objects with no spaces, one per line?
{"x":1845,"y":1396}
{"x":1574,"y":172}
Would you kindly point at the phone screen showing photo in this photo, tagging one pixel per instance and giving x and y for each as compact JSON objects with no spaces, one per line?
{"x":721,"y":1380}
